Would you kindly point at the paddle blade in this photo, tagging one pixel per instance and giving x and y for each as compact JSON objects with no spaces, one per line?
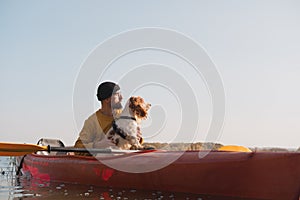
{"x":14,"y":149}
{"x":234,"y":148}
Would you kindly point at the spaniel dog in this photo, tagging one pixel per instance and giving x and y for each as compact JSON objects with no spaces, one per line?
{"x":125,"y":131}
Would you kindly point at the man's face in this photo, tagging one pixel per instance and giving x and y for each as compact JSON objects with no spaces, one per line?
{"x":116,"y":100}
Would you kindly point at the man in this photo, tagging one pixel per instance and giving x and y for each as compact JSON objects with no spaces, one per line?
{"x":95,"y":127}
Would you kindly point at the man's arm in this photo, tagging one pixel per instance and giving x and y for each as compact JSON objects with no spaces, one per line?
{"x":87,"y":135}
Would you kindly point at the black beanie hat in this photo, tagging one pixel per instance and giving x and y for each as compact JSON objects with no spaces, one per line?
{"x":106,"y":89}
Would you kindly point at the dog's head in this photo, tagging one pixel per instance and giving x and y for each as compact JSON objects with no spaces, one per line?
{"x":139,"y":107}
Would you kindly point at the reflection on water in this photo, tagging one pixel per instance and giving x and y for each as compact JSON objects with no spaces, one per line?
{"x":72,"y":191}
{"x":23,"y":187}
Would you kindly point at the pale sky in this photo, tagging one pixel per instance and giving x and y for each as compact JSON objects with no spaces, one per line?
{"x":254,"y":45}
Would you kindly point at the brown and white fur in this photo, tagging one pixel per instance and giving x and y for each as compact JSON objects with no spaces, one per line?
{"x":135,"y":108}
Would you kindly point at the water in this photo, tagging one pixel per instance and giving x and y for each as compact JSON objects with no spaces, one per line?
{"x":14,"y":187}
{"x":6,"y":174}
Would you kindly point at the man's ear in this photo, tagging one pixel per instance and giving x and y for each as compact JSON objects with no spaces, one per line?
{"x":107,"y":100}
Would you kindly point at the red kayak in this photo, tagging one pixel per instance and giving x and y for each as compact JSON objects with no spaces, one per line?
{"x":259,"y":175}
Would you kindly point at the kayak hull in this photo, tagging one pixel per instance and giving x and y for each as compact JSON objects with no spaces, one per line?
{"x":260,"y":175}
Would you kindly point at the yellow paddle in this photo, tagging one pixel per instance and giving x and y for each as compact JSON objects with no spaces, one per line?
{"x":234,"y":148}
{"x":15,"y":149}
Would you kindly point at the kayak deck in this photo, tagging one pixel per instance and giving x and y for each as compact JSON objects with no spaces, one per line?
{"x":261,"y":175}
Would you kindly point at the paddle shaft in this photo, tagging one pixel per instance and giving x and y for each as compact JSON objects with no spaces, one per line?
{"x":82,"y":150}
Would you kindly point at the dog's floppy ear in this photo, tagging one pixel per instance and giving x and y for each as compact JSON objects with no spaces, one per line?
{"x":135,"y":104}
